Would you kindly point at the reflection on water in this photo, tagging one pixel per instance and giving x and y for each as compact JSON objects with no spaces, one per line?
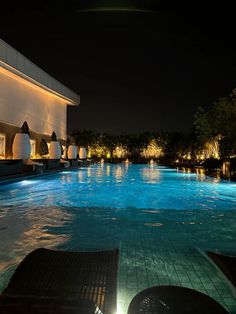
{"x":200,"y":174}
{"x":27,"y":229}
{"x":150,"y":174}
{"x":119,"y":172}
{"x":108,"y":170}
{"x":105,"y":205}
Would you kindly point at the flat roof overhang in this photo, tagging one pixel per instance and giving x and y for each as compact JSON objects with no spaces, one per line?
{"x":13,"y":73}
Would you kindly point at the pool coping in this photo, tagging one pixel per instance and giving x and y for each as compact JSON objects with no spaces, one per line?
{"x":6,"y":180}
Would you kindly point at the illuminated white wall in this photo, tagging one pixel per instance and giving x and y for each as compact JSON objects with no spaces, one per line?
{"x":20,"y":102}
{"x":14,"y":59}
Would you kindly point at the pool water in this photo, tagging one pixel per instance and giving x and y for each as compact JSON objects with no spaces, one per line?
{"x":161,"y":219}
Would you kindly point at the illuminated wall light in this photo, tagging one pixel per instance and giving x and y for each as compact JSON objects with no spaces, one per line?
{"x":32,"y":148}
{"x":89,"y":153}
{"x":64,"y":151}
{"x":2,"y":146}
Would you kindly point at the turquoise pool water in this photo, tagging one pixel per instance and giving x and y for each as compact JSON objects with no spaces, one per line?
{"x":161,"y":219}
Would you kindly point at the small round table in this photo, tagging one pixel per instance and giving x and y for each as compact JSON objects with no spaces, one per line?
{"x":173,"y":300}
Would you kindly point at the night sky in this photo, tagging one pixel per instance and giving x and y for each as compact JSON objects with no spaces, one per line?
{"x":137,"y":65}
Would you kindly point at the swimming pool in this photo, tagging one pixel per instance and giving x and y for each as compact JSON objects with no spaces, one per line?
{"x":161,"y":219}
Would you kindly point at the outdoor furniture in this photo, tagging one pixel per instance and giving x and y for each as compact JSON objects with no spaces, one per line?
{"x":73,"y":162}
{"x":64,"y":163}
{"x":53,"y":164}
{"x":173,"y":300}
{"x":33,"y":166}
{"x":10,"y":166}
{"x":49,"y":281}
{"x":84,"y":162}
{"x":226,"y":263}
{"x":49,"y":164}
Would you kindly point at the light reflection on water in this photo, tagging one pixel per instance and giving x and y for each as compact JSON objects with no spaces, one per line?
{"x":102,"y":206}
{"x":150,"y":174}
{"x":27,"y":228}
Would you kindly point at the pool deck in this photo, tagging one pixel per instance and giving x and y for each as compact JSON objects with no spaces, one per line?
{"x":145,"y":267}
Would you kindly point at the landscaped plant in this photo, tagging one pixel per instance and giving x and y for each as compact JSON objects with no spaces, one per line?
{"x":43,"y":148}
{"x":25,"y":128}
{"x":218,"y":122}
{"x":53,"y":137}
{"x":84,"y":138}
{"x":68,"y":142}
{"x":62,"y":150}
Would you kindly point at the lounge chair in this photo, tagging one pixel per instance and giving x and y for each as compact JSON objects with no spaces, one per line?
{"x":49,"y":281}
{"x":226,"y":263}
{"x":11,"y":166}
{"x":173,"y":300}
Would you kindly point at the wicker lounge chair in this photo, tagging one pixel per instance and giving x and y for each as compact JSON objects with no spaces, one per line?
{"x":173,"y":300}
{"x":49,"y":281}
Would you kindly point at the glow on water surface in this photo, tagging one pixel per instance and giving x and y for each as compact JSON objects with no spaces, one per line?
{"x":143,"y":210}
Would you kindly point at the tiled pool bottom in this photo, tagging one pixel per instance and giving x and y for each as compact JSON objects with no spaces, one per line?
{"x":146,"y":265}
{"x":157,"y":247}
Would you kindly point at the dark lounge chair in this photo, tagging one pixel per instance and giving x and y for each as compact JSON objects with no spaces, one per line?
{"x":49,"y":164}
{"x":226,"y":263}
{"x":49,"y":281}
{"x":173,"y":300}
{"x":11,"y":167}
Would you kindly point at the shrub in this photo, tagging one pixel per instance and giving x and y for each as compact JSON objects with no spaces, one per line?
{"x":43,"y":147}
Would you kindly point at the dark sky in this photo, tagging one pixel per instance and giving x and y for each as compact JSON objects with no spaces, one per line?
{"x":147,"y":67}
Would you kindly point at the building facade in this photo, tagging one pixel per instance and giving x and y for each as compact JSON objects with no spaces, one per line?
{"x":27,"y":93}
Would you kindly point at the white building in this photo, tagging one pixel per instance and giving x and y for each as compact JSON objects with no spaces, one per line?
{"x":27,"y":93}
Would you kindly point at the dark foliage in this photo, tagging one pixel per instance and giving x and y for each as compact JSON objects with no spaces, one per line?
{"x":53,"y":137}
{"x":25,"y":128}
{"x":43,"y":147}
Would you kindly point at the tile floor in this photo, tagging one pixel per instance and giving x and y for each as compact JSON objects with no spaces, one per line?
{"x":152,"y":264}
